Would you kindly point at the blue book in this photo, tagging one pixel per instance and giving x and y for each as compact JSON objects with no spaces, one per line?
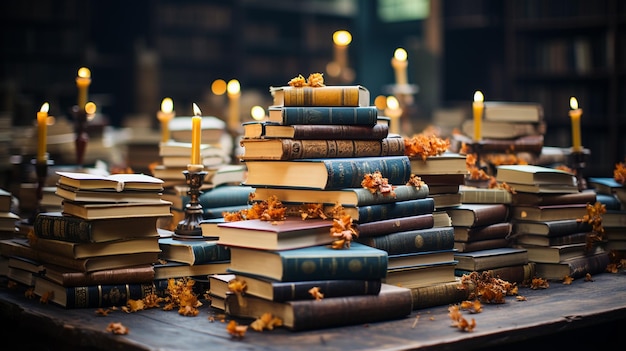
{"x":192,"y":251}
{"x":378,"y":212}
{"x":419,"y":240}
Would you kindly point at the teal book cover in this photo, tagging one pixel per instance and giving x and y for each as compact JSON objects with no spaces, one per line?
{"x":192,"y":251}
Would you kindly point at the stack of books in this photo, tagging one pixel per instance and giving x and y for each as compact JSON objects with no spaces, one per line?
{"x":444,"y":175}
{"x":613,"y":195}
{"x":547,"y":212}
{"x":8,"y":219}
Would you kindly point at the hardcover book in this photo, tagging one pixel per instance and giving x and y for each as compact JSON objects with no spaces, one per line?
{"x":324,"y":115}
{"x":532,"y":144}
{"x":212,"y":129}
{"x":330,"y":174}
{"x":543,"y":240}
{"x":290,"y":149}
{"x":548,"y":213}
{"x":486,"y":244}
{"x":490,"y":259}
{"x":98,"y":210}
{"x":377,"y":212}
{"x":124,"y":275}
{"x":172,"y":269}
{"x":318,"y":262}
{"x":542,"y":199}
{"x":419,"y":258}
{"x":393,"y":302}
{"x":419,"y":240}
{"x":439,"y":294}
{"x":504,"y":130}
{"x":533,"y":175}
{"x":117,"y":182}
{"x":84,"y":250}
{"x":555,"y":254}
{"x":446,"y":163}
{"x":192,"y":251}
{"x":177,"y":148}
{"x":490,"y":231}
{"x":219,"y":196}
{"x":543,"y":188}
{"x":575,"y":268}
{"x":98,"y":263}
{"x":443,"y":201}
{"x":266,"y":129}
{"x":508,"y":111}
{"x":477,"y":215}
{"x":291,"y":233}
{"x":326,"y":96}
{"x":421,"y":275}
{"x":108,"y":195}
{"x":604,"y":185}
{"x":474,"y":195}
{"x":388,"y":226}
{"x":550,"y":228}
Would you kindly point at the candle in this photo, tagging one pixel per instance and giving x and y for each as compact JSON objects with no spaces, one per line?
{"x":341,"y":39}
{"x":393,"y":111}
{"x":196,"y":135}
{"x":83,"y":80}
{"x":478,"y":107}
{"x":165,"y":115}
{"x":233,"y":90}
{"x":42,"y":121}
{"x":399,"y":63}
{"x":575,"y":114}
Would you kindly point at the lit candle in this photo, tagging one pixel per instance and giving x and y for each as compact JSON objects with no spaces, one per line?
{"x":42,"y":128}
{"x":165,"y":115}
{"x":83,"y":80}
{"x":196,"y":135}
{"x":393,"y":111}
{"x":234,"y":92}
{"x":399,"y":63}
{"x":341,"y":39}
{"x":575,"y":114}
{"x":257,"y":113}
{"x":478,"y":107}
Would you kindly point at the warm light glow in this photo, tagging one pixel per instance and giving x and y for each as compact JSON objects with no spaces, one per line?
{"x":477,"y":108}
{"x":42,"y":125}
{"x":400,"y":54}
{"x":84,"y":72}
{"x":342,"y":38}
{"x":478,"y":96}
{"x":83,"y":80}
{"x":575,"y":113}
{"x":196,"y":136}
{"x":257,"y":113}
{"x":196,"y":110}
{"x":392,"y":102}
{"x":233,"y":87}
{"x":45,"y":107}
{"x":573,"y":103}
{"x":380,"y":102}
{"x":218,"y":87}
{"x":394,"y":112}
{"x":167,"y":105}
{"x":90,"y":108}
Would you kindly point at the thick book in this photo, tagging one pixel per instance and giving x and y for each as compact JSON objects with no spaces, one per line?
{"x":346,"y":197}
{"x":543,"y":240}
{"x":400,"y":224}
{"x":419,"y":240}
{"x":325,"y":96}
{"x":266,"y":129}
{"x":377,"y":212}
{"x":446,"y":163}
{"x":95,"y":296}
{"x":330,"y":174}
{"x":548,"y":213}
{"x":533,"y":175}
{"x":6,"y":200}
{"x":70,"y":277}
{"x":98,"y":263}
{"x":172,"y":269}
{"x":477,"y":215}
{"x":290,"y":149}
{"x":57,"y":226}
{"x":575,"y":268}
{"x":518,"y":273}
{"x":21,"y":276}
{"x":84,"y":250}
{"x":291,"y":233}
{"x":192,"y":251}
{"x":421,"y":275}
{"x":531,"y":144}
{"x":219,"y":196}
{"x":555,"y":254}
{"x":418,"y":258}
{"x":541,"y":199}
{"x":26,"y":264}
{"x":604,"y":185}
{"x":486,"y":244}
{"x":393,"y":302}
{"x":475,"y":195}
{"x":490,"y":231}
{"x":324,"y":115}
{"x":106,"y":195}
{"x":504,"y":130}
{"x":543,"y":188}
{"x":492,"y":258}
{"x":614,"y":219}
{"x":550,"y":228}
{"x":508,"y":111}
{"x":318,"y":262}
{"x":118,"y":182}
{"x":446,"y":200}
{"x":439,"y":294}
{"x":99,"y":210}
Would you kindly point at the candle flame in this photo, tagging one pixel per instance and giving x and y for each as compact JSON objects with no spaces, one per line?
{"x":478,"y":96}
{"x":218,"y":87}
{"x":257,"y":113}
{"x":233,"y":87}
{"x":167,"y":105}
{"x":573,"y":103}
{"x":84,"y":72}
{"x":400,"y":54}
{"x":392,"y":102}
{"x":342,"y":38}
{"x":45,"y":107}
{"x":90,"y":108}
{"x":196,"y":110}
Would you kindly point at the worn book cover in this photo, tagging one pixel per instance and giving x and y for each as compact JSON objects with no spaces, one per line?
{"x":540,"y":199}
{"x":332,"y":95}
{"x":576,"y":267}
{"x":446,"y":163}
{"x":548,"y":213}
{"x":475,"y":195}
{"x":324,"y":115}
{"x":70,"y":277}
{"x":524,"y":239}
{"x":439,"y":294}
{"x":98,"y":210}
{"x":492,"y":258}
{"x":534,"y":175}
{"x":388,"y":226}
{"x":192,"y":251}
{"x":84,"y":250}
{"x":551,"y":228}
{"x":476,"y":215}
{"x":490,"y":231}
{"x":419,"y":240}
{"x":266,"y":129}
{"x":486,"y":244}
{"x":118,"y":182}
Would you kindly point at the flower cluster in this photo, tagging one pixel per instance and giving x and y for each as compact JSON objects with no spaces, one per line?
{"x":314,"y":80}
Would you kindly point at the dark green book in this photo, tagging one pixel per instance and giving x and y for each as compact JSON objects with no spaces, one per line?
{"x":192,"y":251}
{"x":318,"y":262}
{"x":222,"y":196}
{"x":419,"y":240}
{"x":358,"y":115}
{"x":377,"y":212}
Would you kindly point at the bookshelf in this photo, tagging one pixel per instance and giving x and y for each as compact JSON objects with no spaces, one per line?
{"x":547,"y":51}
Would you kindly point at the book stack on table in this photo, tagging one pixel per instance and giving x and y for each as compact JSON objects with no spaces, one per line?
{"x":444,"y":174}
{"x":612,"y":194}
{"x":547,"y":212}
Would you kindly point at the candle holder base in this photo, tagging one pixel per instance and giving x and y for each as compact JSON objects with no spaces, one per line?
{"x":41,"y":170}
{"x":189,"y":228}
{"x":577,"y":160}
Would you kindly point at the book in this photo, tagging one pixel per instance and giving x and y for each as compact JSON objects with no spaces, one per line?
{"x":532,"y":144}
{"x":533,"y":175}
{"x":419,"y":240}
{"x":219,"y":196}
{"x":548,"y":213}
{"x":550,"y":228}
{"x":392,"y":302}
{"x":346,"y":197}
{"x":174,"y":179}
{"x":182,"y":161}
{"x":325,"y":96}
{"x":266,"y":129}
{"x":79,"y":195}
{"x":486,"y":244}
{"x":504,"y":130}
{"x":575,"y":268}
{"x":117,"y":182}
{"x":492,"y":258}
{"x":543,"y":188}
{"x":299,"y":290}
{"x":8,"y":222}
{"x":421,"y":275}
{"x":417,"y":258}
{"x":98,"y":263}
{"x":26,"y":264}
{"x":290,"y":149}
{"x":329,"y":174}
{"x":192,"y":251}
{"x":123,"y":275}
{"x":317,"y":262}
{"x":539,"y":199}
{"x":94,"y":296}
{"x":323,"y":115}
{"x":446,"y":200}
{"x":56,"y":225}
{"x":543,"y":240}
{"x":291,"y":233}
{"x":604,"y":185}
{"x":475,"y":195}
{"x":84,"y":250}
{"x":441,"y":219}
{"x":508,"y":111}
{"x":21,"y":276}
{"x":98,"y":210}
{"x":614,"y":218}
{"x":177,"y":148}
{"x":497,"y":230}
{"x":446,"y":163}
{"x":439,"y":294}
{"x":388,"y":226}
{"x":477,"y":215}
{"x":377,"y":212}
{"x":6,"y":200}
{"x":610,"y":202}
{"x":172,"y":269}
{"x":518,"y":273}
{"x":212,"y":129}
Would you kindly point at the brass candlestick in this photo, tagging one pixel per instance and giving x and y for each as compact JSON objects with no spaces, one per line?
{"x":41,"y":170}
{"x":80,"y":128}
{"x":577,"y":160}
{"x":189,"y":228}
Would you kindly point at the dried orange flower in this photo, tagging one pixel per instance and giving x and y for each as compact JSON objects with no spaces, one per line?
{"x":117,"y":328}
{"x":235,"y":330}
{"x":266,"y":321}
{"x":539,"y":283}
{"x":271,"y":209}
{"x":594,"y":217}
{"x":376,"y":183}
{"x":520,"y":298}
{"x":103,"y":312}
{"x":424,"y":145}
{"x":459,"y":321}
{"x":487,"y":288}
{"x":238,"y":287}
{"x":567,"y":280}
{"x":316,"y":293}
{"x":29,"y":293}
{"x":315,"y":80}
{"x":415,"y":181}
{"x":311,"y":211}
{"x":298,"y":81}
{"x":135,"y":305}
{"x":342,"y":230}
{"x":47,"y":296}
{"x":472,"y":306}
{"x":588,"y":277}
{"x":619,"y":173}
{"x":181,"y":295}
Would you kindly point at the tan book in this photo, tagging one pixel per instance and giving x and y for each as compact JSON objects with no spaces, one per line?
{"x":490,"y":259}
{"x":447,"y":163}
{"x":338,"y":95}
{"x":504,"y":130}
{"x":470,"y":194}
{"x":421,"y":275}
{"x":85,"y":250}
{"x":93,"y":211}
{"x":508,"y":111}
{"x":106,"y":195}
{"x":117,"y":182}
{"x":534,"y":175}
{"x":446,"y":200}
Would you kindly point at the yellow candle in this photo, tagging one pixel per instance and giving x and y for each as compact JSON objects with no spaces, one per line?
{"x":196,"y":135}
{"x":399,"y":63}
{"x":234,"y":93}
{"x":165,"y":115}
{"x":83,"y":80}
{"x":42,"y":129}
{"x":575,"y":113}
{"x":478,"y":107}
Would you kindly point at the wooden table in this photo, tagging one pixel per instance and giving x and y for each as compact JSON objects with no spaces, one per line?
{"x":577,"y":315}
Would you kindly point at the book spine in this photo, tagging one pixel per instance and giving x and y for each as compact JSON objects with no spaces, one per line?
{"x":491,"y":231}
{"x":439,"y":295}
{"x":287,"y":291}
{"x":210,"y":252}
{"x":574,"y":238}
{"x":431,"y":239}
{"x":561,"y":228}
{"x":393,"y":225}
{"x":486,"y":197}
{"x":481,"y":245}
{"x":491,"y":215}
{"x":402,"y":193}
{"x":92,"y":296}
{"x":65,"y":228}
{"x":295,"y":149}
{"x":398,"y":209}
{"x":346,"y":173}
{"x":116,"y":276}
{"x":592,"y":264}
{"x":339,"y":132}
{"x":334,"y":268}
{"x":322,"y":96}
